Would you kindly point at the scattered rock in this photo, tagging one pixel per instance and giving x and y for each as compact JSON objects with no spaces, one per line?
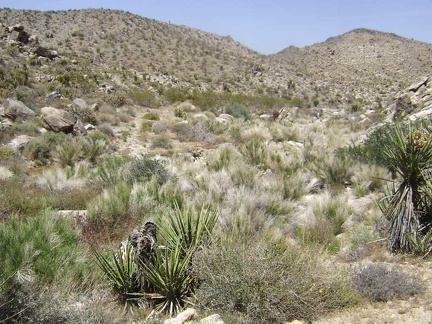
{"x":89,"y":127}
{"x":45,"y":52}
{"x":79,"y":128}
{"x":226,"y":116}
{"x":5,"y":173}
{"x":13,"y":109}
{"x":79,"y":104}
{"x":183,"y":317}
{"x":58,"y":120}
{"x":19,"y":142}
{"x":424,"y":113}
{"x":73,"y":214}
{"x":212,"y":319}
{"x":415,"y":86}
{"x":409,"y":102}
{"x":5,"y":123}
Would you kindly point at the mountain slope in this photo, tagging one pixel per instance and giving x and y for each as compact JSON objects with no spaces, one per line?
{"x":359,"y":65}
{"x":362,"y":66}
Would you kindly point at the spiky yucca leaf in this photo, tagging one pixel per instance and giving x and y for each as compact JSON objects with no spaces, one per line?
{"x":409,"y":158}
{"x":120,"y":270}
{"x":169,"y":274}
{"x":188,"y":228}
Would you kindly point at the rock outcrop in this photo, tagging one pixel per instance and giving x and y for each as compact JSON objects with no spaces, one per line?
{"x":13,"y":109}
{"x":415,"y":101}
{"x":58,"y":120}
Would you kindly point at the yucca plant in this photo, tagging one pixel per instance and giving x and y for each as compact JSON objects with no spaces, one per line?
{"x":409,"y":155}
{"x":188,"y":227}
{"x":170,"y":276}
{"x":121,"y":271}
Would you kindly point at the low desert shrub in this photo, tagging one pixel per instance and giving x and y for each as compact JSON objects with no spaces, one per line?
{"x":161,"y":141}
{"x":118,"y":99}
{"x":146,"y":126}
{"x":237,"y":110}
{"x":267,"y":280}
{"x":255,"y":153}
{"x":143,"y":168}
{"x":37,"y":151}
{"x":221,"y":159}
{"x":146,"y":98}
{"x":180,"y":112}
{"x":106,"y":129}
{"x":151,"y":116}
{"x":380,"y":282}
{"x":5,"y":152}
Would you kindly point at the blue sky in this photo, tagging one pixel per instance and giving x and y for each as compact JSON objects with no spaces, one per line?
{"x":269,"y":26}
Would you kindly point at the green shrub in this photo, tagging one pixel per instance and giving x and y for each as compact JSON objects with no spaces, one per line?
{"x":143,"y":168}
{"x":174,"y":94}
{"x":93,"y":149}
{"x":180,"y":112}
{"x":111,"y":207}
{"x":152,"y":115}
{"x":109,"y":171}
{"x":146,"y":126}
{"x":255,"y":153}
{"x":334,"y":171}
{"x":267,"y":280}
{"x":69,"y":152}
{"x":118,"y":99}
{"x":146,"y":98}
{"x":5,"y":152}
{"x":37,"y":151}
{"x":161,"y":141}
{"x":380,"y":283}
{"x":237,"y":110}
{"x":222,"y":160}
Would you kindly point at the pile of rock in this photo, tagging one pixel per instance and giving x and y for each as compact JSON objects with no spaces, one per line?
{"x":26,"y":43}
{"x":415,"y":101}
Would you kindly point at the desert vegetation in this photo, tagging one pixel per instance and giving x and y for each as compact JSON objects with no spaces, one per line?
{"x":234,"y":195}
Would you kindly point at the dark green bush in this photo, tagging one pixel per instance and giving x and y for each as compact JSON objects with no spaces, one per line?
{"x":37,"y":151}
{"x":143,"y":168}
{"x":151,"y":116}
{"x":237,"y":110}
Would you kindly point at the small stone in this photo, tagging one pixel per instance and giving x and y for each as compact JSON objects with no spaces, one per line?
{"x":212,"y":319}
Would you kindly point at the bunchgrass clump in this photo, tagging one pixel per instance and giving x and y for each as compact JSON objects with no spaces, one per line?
{"x":42,"y":248}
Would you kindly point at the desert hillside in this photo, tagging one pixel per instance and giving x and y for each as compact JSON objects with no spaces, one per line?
{"x":362,"y":66}
{"x":154,"y":173}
